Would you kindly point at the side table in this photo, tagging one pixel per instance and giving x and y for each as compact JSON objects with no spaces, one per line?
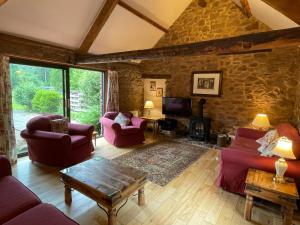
{"x":154,"y":121}
{"x":260,"y":184}
{"x":94,"y":136}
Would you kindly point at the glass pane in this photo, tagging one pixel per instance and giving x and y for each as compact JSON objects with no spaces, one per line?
{"x":86,"y":98}
{"x":35,"y":91}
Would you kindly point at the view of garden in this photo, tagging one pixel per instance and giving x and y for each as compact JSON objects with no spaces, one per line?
{"x":39,"y":90}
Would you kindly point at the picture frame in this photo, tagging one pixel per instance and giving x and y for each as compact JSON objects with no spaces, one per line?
{"x":159,"y":92}
{"x":207,"y":83}
{"x":152,"y":85}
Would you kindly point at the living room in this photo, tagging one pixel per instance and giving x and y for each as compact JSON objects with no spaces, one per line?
{"x":192,"y":118}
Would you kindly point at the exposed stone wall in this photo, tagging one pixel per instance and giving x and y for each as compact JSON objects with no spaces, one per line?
{"x":252,"y":83}
{"x":219,"y":19}
{"x":296,"y":113}
{"x":131,"y":88}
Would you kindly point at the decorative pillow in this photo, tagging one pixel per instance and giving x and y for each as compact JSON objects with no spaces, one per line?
{"x":122,"y":119}
{"x":268,"y":142}
{"x":59,"y":125}
{"x":268,"y":138}
{"x":267,"y":150}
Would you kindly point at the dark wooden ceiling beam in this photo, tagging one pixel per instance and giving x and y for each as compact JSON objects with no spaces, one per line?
{"x":2,"y":2}
{"x":246,"y":8}
{"x":142,"y":16}
{"x":98,"y":24}
{"x":244,"y":43}
{"x":289,"y":8}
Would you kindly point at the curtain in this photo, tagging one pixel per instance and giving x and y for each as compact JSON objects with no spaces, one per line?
{"x":112,"y":103}
{"x":7,"y":130}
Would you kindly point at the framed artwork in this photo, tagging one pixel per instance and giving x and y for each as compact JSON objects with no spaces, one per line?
{"x":159,"y":92}
{"x":207,"y":83}
{"x":152,"y":85}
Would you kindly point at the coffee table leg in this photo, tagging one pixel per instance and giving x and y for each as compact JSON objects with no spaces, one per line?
{"x":288,"y":216}
{"x":112,"y":217}
{"x":248,"y":207}
{"x":141,"y":197}
{"x":68,"y":194}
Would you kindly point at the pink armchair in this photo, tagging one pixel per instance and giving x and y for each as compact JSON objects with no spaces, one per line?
{"x":57,"y":149}
{"x":122,"y":136}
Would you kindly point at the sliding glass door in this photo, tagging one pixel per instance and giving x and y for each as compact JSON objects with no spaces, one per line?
{"x":43,"y":89}
{"x":36,"y":90}
{"x":86,"y":96}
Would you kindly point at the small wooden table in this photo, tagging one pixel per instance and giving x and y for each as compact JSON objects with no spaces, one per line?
{"x":155,"y":125}
{"x":107,"y":183}
{"x":94,"y":135}
{"x":260,"y":184}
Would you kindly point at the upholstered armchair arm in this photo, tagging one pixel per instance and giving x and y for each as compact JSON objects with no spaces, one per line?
{"x":5,"y":167}
{"x":250,"y":133}
{"x":45,"y":135}
{"x":80,"y":129}
{"x":110,"y":124}
{"x":139,"y":122}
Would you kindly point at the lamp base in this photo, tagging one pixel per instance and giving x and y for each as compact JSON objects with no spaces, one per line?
{"x":278,"y":179}
{"x":281,"y":167}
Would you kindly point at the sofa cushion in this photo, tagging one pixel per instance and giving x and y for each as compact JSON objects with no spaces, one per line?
{"x":245,"y":144}
{"x":15,"y":198}
{"x":45,"y":214}
{"x":122,"y":119}
{"x":129,"y":130}
{"x":60,"y":125}
{"x":78,"y":140}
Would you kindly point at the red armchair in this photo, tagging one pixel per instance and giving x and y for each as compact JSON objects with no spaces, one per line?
{"x":242,"y":154}
{"x":57,"y":149}
{"x":122,"y":136}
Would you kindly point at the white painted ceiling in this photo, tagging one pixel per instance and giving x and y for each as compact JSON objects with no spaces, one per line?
{"x":269,"y":16}
{"x":66,"y":22}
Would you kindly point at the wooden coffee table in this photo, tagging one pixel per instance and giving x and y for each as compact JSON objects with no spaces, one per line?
{"x":106,"y":182}
{"x":260,"y":184}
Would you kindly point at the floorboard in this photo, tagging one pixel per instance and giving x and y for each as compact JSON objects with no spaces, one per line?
{"x":190,"y":199}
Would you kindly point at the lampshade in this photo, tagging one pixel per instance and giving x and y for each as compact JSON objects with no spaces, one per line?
{"x":149,"y":105}
{"x":261,"y":121}
{"x":284,"y":148}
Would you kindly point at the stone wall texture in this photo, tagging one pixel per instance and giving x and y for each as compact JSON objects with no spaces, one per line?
{"x":252,"y":83}
{"x":131,"y":88}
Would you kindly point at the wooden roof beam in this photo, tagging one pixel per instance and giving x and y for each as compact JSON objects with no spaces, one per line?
{"x":2,"y":2}
{"x":97,"y":26}
{"x":289,"y":8}
{"x":142,"y":16}
{"x":246,"y":8}
{"x":244,"y":43}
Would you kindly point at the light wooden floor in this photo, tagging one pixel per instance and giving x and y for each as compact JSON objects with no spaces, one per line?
{"x":190,"y":199}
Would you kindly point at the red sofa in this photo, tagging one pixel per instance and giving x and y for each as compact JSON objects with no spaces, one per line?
{"x":242,"y":154}
{"x":122,"y":136}
{"x":57,"y":149}
{"x":20,"y":206}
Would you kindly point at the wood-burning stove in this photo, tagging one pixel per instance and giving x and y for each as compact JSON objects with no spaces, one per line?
{"x":199,"y":128}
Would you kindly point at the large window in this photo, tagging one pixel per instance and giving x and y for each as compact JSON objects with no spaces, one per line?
{"x":39,"y":90}
{"x":86,"y":96}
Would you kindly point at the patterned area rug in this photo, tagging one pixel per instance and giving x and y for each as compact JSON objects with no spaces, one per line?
{"x":162,"y":161}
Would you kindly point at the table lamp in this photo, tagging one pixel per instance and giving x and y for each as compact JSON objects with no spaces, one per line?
{"x":283,"y":149}
{"x":149,"y":105}
{"x":261,"y":121}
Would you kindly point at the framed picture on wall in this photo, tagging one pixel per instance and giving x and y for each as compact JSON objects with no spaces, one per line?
{"x":159,"y":92}
{"x":207,"y":83}
{"x":152,"y":85}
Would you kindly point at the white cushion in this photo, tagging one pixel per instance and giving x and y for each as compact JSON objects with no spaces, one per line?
{"x":268,"y":143}
{"x":122,"y":119}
